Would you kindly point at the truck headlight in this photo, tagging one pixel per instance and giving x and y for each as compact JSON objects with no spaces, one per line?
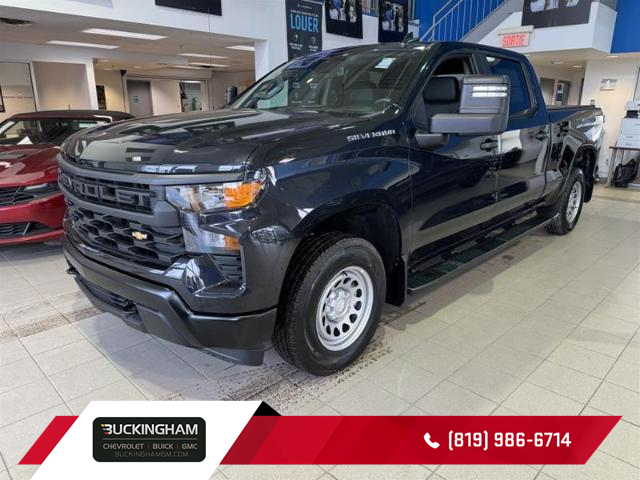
{"x":222,"y":196}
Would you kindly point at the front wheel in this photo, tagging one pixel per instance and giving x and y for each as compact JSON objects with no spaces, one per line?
{"x":569,"y":205}
{"x":331,"y":303}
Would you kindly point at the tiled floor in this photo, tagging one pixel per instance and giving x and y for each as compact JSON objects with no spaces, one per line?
{"x":548,"y":327}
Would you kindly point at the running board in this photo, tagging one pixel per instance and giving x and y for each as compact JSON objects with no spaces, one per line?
{"x":424,"y":277}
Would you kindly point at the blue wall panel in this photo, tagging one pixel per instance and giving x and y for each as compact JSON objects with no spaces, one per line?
{"x":626,"y":37}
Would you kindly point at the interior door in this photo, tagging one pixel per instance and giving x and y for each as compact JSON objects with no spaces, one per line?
{"x":453,"y":184}
{"x":139,"y":98}
{"x":522,"y":148}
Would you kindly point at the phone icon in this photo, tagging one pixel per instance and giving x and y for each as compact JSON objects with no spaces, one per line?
{"x":427,"y":438}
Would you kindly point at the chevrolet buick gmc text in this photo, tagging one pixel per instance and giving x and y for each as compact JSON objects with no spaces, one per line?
{"x":339,"y":181}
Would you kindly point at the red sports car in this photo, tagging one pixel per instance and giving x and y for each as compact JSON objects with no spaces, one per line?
{"x":31,"y":204}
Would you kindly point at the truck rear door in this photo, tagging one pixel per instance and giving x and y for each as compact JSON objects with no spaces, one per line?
{"x":523,"y":149}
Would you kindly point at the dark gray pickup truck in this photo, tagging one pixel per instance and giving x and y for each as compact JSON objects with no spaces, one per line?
{"x":339,"y":181}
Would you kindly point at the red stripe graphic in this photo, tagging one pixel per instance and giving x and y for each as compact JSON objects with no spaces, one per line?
{"x":48,"y":440}
{"x":402,"y":440}
{"x":275,"y":440}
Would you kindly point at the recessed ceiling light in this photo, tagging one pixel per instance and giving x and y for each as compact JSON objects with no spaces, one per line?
{"x":208,"y":64}
{"x":121,"y":33}
{"x":613,"y":56}
{"x":244,"y":48}
{"x":557,"y":62}
{"x":199,"y":55}
{"x":137,"y":66}
{"x":186,"y":66}
{"x":81,"y":44}
{"x":576,"y":66}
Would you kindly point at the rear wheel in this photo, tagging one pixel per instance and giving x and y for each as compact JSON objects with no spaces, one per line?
{"x":331,"y":304}
{"x":569,"y":205}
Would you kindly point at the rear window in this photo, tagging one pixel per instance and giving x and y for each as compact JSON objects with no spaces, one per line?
{"x":520,"y":99}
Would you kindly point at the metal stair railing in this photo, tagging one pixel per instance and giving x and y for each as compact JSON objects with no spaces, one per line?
{"x":456,"y":18}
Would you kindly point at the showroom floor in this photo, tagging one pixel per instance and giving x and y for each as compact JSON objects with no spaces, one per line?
{"x":550,"y":327}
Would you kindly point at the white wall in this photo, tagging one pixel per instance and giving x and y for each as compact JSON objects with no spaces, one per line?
{"x":570,"y":74}
{"x":114,"y":91}
{"x":165,"y":96}
{"x":611,"y":102}
{"x":17,"y":91}
{"x":221,"y":80}
{"x":62,"y":86}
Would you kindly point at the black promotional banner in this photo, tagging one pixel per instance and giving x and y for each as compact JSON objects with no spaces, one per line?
{"x":212,"y":7}
{"x":555,"y":13}
{"x":344,"y":17}
{"x":393,"y":20}
{"x":304,"y":27}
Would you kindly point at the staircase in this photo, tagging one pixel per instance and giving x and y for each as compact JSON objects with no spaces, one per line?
{"x":468,"y":20}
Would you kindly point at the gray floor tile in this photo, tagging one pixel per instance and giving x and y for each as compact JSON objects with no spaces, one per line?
{"x":485,"y":381}
{"x":487,"y":472}
{"x":623,"y":442}
{"x":451,"y":399}
{"x":529,"y":399}
{"x":600,"y":466}
{"x":27,"y":400}
{"x":79,"y":380}
{"x":380,"y":472}
{"x":378,"y":401}
{"x":565,"y":381}
{"x":582,"y":359}
{"x":617,"y":400}
{"x":405,"y":380}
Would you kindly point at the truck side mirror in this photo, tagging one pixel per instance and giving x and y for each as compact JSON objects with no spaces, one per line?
{"x":230,"y":94}
{"x":484,"y":107}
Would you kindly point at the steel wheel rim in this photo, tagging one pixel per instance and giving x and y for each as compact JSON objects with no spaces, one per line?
{"x":575,"y":199}
{"x":345,"y":308}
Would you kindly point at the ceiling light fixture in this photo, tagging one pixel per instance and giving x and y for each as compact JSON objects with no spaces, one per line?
{"x":613,"y":56}
{"x":208,"y":64}
{"x":576,"y":66}
{"x":122,"y":33}
{"x":82,"y":44}
{"x":557,"y":62}
{"x":244,"y":48}
{"x":186,"y":66}
{"x":199,"y":55}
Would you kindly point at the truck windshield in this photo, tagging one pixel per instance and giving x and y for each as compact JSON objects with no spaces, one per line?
{"x":341,"y":81}
{"x":42,"y":130}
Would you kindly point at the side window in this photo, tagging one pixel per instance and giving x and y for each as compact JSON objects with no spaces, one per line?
{"x":520,"y":99}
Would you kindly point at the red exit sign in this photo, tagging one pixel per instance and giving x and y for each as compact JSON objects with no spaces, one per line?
{"x":514,"y":40}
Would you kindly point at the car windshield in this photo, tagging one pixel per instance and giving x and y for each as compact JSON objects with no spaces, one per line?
{"x":339,"y":80}
{"x":42,"y":130}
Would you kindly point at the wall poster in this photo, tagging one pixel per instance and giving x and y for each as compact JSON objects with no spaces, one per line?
{"x":344,"y":17}
{"x":555,"y":13}
{"x":393,"y":20}
{"x":212,"y":7}
{"x":304,"y":27}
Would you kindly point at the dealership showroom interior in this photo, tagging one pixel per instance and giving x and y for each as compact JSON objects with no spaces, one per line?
{"x":376,"y":209}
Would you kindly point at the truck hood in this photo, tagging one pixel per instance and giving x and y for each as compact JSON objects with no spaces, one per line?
{"x":22,"y":165}
{"x":198,"y":142}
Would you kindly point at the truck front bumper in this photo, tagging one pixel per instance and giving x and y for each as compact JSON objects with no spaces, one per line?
{"x":160,"y":311}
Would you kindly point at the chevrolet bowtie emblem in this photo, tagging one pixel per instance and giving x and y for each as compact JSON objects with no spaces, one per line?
{"x":139,"y":235}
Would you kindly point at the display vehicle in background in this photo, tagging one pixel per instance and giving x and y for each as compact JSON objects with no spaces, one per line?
{"x":339,"y":181}
{"x":31,"y":204}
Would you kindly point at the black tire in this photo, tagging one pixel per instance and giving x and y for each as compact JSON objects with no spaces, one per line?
{"x":561,"y":225}
{"x":318,"y":260}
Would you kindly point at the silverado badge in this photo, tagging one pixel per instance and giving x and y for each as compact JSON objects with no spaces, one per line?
{"x":139,"y":235}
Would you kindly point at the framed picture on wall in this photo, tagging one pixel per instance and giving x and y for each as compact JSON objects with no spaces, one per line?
{"x":1,"y":100}
{"x":608,"y":84}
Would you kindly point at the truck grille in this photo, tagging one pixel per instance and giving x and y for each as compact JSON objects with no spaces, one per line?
{"x":13,"y":195}
{"x":24,"y":229}
{"x":122,"y":195}
{"x":157,"y":247}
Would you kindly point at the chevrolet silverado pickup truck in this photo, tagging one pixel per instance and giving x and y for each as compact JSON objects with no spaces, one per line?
{"x":338,"y":182}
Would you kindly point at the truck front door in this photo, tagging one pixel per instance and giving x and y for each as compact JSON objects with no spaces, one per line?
{"x":454,"y":183}
{"x":523,"y":149}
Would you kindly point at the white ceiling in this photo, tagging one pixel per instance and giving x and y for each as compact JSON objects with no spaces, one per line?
{"x":47,"y":26}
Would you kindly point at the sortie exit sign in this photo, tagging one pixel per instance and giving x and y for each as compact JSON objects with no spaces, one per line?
{"x":514,"y":40}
